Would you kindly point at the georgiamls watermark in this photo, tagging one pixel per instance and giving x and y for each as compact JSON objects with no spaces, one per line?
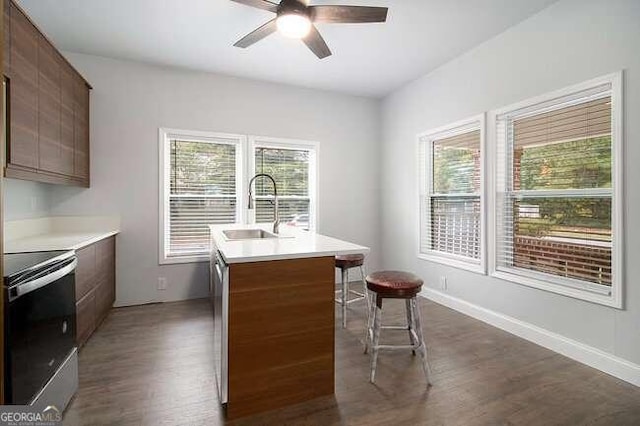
{"x":26,"y":415}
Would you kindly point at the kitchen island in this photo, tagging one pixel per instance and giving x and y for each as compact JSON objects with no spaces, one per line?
{"x":273,"y":299}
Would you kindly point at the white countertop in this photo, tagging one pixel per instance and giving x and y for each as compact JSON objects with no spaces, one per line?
{"x":293,"y":243}
{"x":58,"y":233}
{"x":56,"y":241}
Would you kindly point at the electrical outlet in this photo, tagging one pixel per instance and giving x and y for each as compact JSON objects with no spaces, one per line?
{"x":162,"y":283}
{"x":443,"y":282}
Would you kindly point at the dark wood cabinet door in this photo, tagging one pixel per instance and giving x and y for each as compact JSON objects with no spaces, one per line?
{"x":66,"y":117}
{"x":105,"y":258}
{"x":85,"y":317}
{"x":7,"y":38}
{"x":85,"y":271}
{"x":23,"y":89}
{"x":105,"y":295}
{"x":105,"y":276}
{"x":50,"y":147}
{"x":81,"y":130}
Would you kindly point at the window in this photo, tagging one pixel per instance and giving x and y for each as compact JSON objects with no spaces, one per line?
{"x":201,"y":175}
{"x":204,"y":179}
{"x":293,"y":165}
{"x":451,"y":201}
{"x":558,"y":181}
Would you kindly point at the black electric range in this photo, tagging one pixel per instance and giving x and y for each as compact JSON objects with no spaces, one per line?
{"x":40,"y":323}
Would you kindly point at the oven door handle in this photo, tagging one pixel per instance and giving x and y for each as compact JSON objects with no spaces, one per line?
{"x":30,"y":286}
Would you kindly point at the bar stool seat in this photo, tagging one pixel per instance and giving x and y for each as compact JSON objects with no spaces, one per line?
{"x":344,"y":263}
{"x":395,"y":285}
{"x":348,"y":261}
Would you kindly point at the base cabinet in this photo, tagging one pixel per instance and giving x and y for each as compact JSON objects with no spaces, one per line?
{"x":95,"y":286}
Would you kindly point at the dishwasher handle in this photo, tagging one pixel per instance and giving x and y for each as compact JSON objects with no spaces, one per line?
{"x":220,"y":266}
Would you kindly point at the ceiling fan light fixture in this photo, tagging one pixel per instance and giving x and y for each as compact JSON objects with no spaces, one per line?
{"x":296,"y":19}
{"x":293,"y":25}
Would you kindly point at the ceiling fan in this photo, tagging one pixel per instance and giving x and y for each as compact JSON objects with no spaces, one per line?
{"x":295,"y":19}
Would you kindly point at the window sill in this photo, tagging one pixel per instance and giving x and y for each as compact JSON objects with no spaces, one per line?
{"x":454,"y":261}
{"x":184,"y":259}
{"x":559,"y":287}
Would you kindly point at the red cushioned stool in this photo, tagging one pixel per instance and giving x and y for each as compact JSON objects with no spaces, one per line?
{"x":344,"y":263}
{"x":395,"y":285}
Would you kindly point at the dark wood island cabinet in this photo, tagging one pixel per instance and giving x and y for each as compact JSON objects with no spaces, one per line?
{"x":273,"y":309}
{"x":47,"y":107}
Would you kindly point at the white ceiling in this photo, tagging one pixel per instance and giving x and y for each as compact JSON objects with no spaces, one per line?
{"x":368,"y":59}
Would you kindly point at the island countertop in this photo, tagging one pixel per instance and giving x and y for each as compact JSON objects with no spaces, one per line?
{"x":292,"y":243}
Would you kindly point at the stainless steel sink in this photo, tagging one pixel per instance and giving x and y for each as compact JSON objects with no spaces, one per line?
{"x":247,"y":234}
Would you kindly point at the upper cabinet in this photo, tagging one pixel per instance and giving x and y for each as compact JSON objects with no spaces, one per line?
{"x":22,"y":102}
{"x":47,"y":107}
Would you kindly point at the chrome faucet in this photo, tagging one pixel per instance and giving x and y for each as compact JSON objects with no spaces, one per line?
{"x":276,"y":216}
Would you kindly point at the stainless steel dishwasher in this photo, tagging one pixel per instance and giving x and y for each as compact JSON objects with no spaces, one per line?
{"x":219,"y":289}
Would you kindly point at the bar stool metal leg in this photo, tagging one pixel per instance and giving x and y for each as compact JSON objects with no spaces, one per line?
{"x":377,"y":318}
{"x":345,"y":294}
{"x":410,"y":324}
{"x":422,"y":345}
{"x":371,"y":306}
{"x":365,"y":290}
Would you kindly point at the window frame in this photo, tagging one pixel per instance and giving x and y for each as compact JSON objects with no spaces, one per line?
{"x":165,"y":135}
{"x":312,"y":147}
{"x":566,"y":286}
{"x":425,"y":142}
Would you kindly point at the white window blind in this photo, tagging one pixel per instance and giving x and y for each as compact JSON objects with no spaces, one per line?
{"x":201,"y":178}
{"x":451,"y":195}
{"x":292,"y":168}
{"x":555,"y":191}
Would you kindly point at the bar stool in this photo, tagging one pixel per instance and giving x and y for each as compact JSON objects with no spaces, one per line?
{"x":344,"y":263}
{"x":395,"y":285}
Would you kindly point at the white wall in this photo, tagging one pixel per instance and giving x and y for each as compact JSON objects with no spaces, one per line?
{"x":567,"y":43}
{"x":26,"y":200}
{"x":130,"y":101}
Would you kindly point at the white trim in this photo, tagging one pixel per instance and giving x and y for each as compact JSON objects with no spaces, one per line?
{"x":567,"y":287}
{"x":313,"y":147}
{"x":185,"y":259}
{"x":424,"y":148}
{"x":617,"y":215}
{"x":561,"y":193}
{"x":455,"y":128}
{"x":585,"y":354}
{"x":165,"y":135}
{"x":459,"y":262}
{"x":559,"y":285}
{"x":560,"y":93}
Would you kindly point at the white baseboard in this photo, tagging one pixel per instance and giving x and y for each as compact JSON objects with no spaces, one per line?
{"x":580,"y":352}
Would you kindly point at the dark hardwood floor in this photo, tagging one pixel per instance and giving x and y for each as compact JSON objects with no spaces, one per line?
{"x":153,"y":365}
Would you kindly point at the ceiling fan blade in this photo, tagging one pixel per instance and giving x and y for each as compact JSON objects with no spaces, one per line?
{"x":257,"y":34}
{"x":260,"y":4}
{"x":348,"y":14}
{"x":316,"y":43}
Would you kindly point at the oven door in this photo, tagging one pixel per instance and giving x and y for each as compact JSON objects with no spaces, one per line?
{"x":40,"y":325}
